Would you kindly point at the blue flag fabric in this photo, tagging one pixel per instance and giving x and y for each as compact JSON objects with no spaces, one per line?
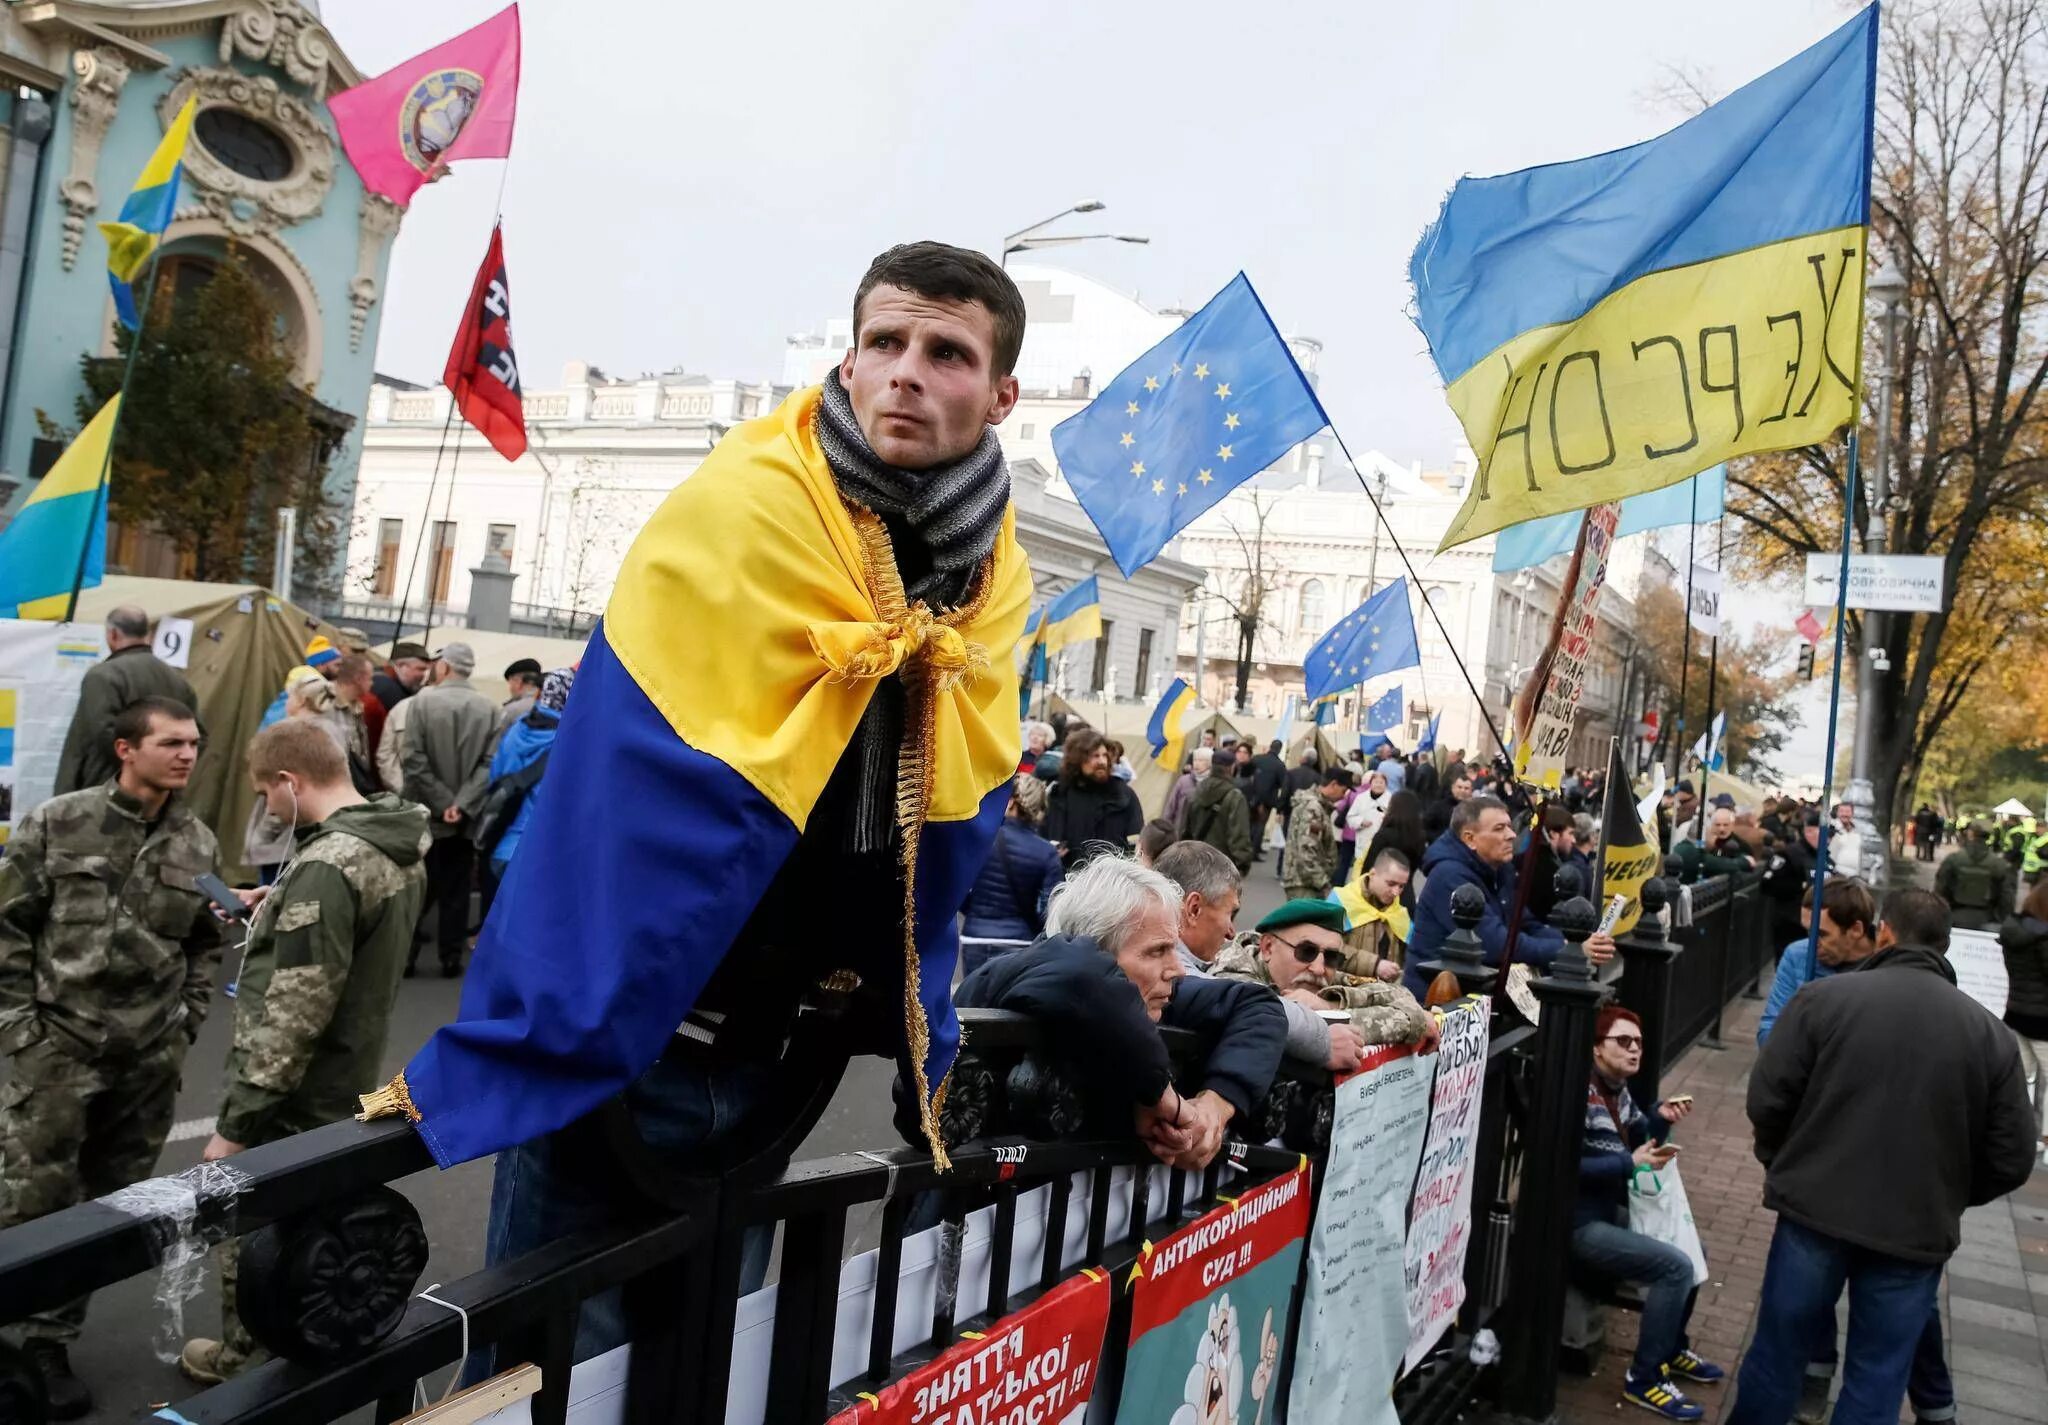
{"x":1428,"y":743}
{"x":1212,"y":405}
{"x":1377,"y":637}
{"x":1325,"y":710}
{"x":1385,"y":715}
{"x":1693,"y":501}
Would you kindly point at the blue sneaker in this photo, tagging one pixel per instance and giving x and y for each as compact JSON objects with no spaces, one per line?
{"x":1661,"y":1396}
{"x":1688,"y":1366}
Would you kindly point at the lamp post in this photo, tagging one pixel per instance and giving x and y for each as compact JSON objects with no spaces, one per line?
{"x":1027,"y":240}
{"x":1888,"y":289}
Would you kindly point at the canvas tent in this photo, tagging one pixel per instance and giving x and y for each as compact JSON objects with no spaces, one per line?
{"x":2012,"y":806}
{"x":1154,"y":783}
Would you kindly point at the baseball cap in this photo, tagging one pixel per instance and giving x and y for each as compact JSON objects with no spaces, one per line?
{"x":459,"y":656}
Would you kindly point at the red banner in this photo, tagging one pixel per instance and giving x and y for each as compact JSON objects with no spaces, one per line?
{"x":482,"y":373}
{"x":1188,"y":1266}
{"x":1037,"y":1367}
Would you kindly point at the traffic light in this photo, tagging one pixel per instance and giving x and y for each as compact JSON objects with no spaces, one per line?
{"x":1805,"y":662}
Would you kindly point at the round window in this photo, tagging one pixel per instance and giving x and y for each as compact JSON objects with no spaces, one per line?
{"x":248,"y":146}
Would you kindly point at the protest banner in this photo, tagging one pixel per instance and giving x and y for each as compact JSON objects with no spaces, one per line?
{"x":1548,"y":704}
{"x":42,"y":666}
{"x":1198,"y":1296}
{"x":1354,"y":1320}
{"x":1036,"y":1367}
{"x":1979,"y":964}
{"x":1440,"y":1215}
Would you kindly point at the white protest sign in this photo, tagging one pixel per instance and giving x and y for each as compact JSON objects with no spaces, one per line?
{"x":173,"y":640}
{"x":1541,"y":757}
{"x":1894,"y":583}
{"x":1354,"y":1318}
{"x":1706,"y":602}
{"x":42,"y":666}
{"x":1440,"y":1219}
{"x":1979,"y":964}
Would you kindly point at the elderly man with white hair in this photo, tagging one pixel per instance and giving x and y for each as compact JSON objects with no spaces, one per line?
{"x":1106,"y":974}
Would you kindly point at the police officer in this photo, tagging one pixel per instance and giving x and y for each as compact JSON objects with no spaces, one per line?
{"x":319,"y":973}
{"x":1975,"y":881}
{"x":107,"y":954}
{"x":2034,"y":854}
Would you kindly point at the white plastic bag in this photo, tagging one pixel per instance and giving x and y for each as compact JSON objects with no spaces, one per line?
{"x":1657,"y":1208}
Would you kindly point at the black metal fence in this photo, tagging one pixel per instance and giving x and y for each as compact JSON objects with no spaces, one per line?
{"x":675,"y":1248}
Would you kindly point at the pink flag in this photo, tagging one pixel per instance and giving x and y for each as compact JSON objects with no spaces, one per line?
{"x":456,"y":101}
{"x":1809,"y":627}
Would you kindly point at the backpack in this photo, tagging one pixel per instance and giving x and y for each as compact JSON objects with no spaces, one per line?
{"x":502,"y":803}
{"x":1973,"y":883}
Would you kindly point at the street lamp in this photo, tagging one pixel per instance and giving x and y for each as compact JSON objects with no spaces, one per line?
{"x":1023,"y":240}
{"x":1887,"y":290}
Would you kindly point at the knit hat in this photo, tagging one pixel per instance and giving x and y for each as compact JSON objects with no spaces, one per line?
{"x":554,"y":689}
{"x":1303,"y":911}
{"x":320,"y":652}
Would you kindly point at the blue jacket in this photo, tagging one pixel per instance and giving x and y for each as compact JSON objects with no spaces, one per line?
{"x":523,"y":743}
{"x":1615,"y":1128}
{"x":1793,"y":961}
{"x":1448,"y":864}
{"x":1007,"y":900}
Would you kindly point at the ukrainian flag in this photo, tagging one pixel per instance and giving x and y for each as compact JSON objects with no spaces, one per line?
{"x":68,"y":512}
{"x":685,"y":770}
{"x":1619,"y":323}
{"x":1163,"y":732}
{"x":150,"y":207}
{"x":1073,"y":617}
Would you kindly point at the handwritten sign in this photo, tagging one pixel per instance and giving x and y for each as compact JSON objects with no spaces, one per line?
{"x":1706,"y":602}
{"x":1548,"y":742}
{"x":1354,"y":1320}
{"x":1440,"y":1216}
{"x":1979,"y":964}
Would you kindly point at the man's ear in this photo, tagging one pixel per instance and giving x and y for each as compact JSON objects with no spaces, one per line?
{"x":1002,"y":400}
{"x":846,"y":365}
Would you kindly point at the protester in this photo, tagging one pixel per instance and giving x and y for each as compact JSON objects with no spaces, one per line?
{"x":1216,"y":815}
{"x":1422,"y":777}
{"x":1363,"y":814}
{"x":1845,"y":843}
{"x":107,"y":954}
{"x":1832,"y":1098}
{"x":1210,"y":894}
{"x":403,"y":674}
{"x":1047,"y":767}
{"x":518,"y":765}
{"x":448,"y":732}
{"x":1119,"y":765}
{"x":1788,"y":876}
{"x":306,"y":697}
{"x":1622,"y":1143}
{"x":354,"y":676}
{"x":1104,"y":976}
{"x":1199,"y":764}
{"x":1975,"y":881}
{"x":1090,"y":809}
{"x":1719,"y":852}
{"x":1298,"y":952}
{"x":1305,"y":776}
{"x":2024,"y":940}
{"x":1310,"y":864}
{"x":1264,"y":780}
{"x":1388,"y":764}
{"x":1436,"y":818}
{"x":1007,"y":900}
{"x":1154,"y":837}
{"x":319,"y":973}
{"x":1401,"y":830}
{"x":1848,"y":936}
{"x":522,"y":687}
{"x":129,"y":673}
{"x":1037,"y":737}
{"x":1377,"y":925}
{"x":1554,"y":847}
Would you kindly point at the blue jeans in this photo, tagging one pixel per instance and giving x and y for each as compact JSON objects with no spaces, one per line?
{"x":541,"y":1193}
{"x":1927,"y":1384}
{"x":1890,"y":1304}
{"x":1665,"y":1274}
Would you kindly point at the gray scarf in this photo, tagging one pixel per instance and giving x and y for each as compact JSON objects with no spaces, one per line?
{"x":953,"y":514}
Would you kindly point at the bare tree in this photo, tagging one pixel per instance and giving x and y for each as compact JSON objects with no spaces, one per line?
{"x":1257,"y":580}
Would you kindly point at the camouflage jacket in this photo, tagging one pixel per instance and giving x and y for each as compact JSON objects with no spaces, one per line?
{"x":321,"y":970}
{"x":1382,"y":1013}
{"x":1311,"y":846}
{"x":106,"y":945}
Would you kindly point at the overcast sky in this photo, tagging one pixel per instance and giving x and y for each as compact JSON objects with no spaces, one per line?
{"x":692,"y":182}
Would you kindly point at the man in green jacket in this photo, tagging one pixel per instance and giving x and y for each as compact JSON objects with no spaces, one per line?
{"x":1218,"y":815}
{"x":320,"y":970}
{"x":1976,"y":882}
{"x":1723,"y":855}
{"x":129,"y":673}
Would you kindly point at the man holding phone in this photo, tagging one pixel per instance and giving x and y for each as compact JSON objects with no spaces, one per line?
{"x":1621,"y":1143}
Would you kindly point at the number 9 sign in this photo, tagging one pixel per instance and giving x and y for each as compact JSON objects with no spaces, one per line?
{"x":173,"y":641}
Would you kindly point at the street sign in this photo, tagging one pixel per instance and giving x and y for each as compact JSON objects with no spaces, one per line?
{"x":1895,"y":583}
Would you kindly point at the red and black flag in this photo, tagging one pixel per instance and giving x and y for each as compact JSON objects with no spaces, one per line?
{"x":482,"y":373}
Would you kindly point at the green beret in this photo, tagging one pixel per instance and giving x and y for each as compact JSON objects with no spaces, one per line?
{"x":1302,"y":911}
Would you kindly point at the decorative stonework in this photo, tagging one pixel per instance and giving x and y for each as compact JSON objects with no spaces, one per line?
{"x":285,"y":35}
{"x":380,"y":219}
{"x":247,"y":206}
{"x":94,"y":98}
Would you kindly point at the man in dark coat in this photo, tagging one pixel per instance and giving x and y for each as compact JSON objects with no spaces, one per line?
{"x":1263,"y":780}
{"x":403,"y":676}
{"x":129,"y":673}
{"x":1090,"y":809}
{"x":1872,"y":1154}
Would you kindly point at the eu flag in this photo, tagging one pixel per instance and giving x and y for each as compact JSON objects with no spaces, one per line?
{"x":1385,"y":715}
{"x":1377,"y":637}
{"x":1212,"y":405}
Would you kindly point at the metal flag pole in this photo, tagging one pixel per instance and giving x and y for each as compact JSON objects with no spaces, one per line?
{"x":426,"y":524}
{"x":1692,"y":539}
{"x":1713,"y":672}
{"x":1827,"y":786}
{"x":447,"y":508}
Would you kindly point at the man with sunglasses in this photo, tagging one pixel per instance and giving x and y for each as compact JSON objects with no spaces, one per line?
{"x":1298,"y":952}
{"x":1621,"y":1144}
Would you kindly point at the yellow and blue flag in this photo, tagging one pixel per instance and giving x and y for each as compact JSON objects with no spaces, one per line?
{"x":1212,"y":405}
{"x":1615,"y":324}
{"x":1163,"y":733}
{"x":67,"y":513}
{"x":1073,"y":617}
{"x":609,"y":926}
{"x":1323,"y":711}
{"x":1376,"y":637}
{"x":151,"y":205}
{"x":1695,"y":501}
{"x":1386,"y":713}
{"x":1428,"y":743}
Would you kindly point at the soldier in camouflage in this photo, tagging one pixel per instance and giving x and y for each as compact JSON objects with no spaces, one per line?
{"x":1311,"y":858}
{"x":107,"y":954}
{"x":1298,"y":952}
{"x":320,"y":971}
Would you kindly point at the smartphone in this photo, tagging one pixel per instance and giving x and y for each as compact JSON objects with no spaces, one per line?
{"x":222,"y":895}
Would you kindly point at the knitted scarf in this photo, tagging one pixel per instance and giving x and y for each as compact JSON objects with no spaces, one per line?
{"x":943,"y":522}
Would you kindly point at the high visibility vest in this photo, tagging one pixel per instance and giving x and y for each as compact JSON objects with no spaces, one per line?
{"x":2036,"y":853}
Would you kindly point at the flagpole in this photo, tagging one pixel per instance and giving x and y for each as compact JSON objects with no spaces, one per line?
{"x":1827,"y":786}
{"x":447,"y":508}
{"x":100,"y":491}
{"x":426,"y":524}
{"x":1692,"y":540}
{"x":1713,"y":673}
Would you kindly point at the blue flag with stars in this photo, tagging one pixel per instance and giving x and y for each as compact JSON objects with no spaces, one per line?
{"x":1377,"y":637}
{"x":1386,"y":714}
{"x":1212,"y":405}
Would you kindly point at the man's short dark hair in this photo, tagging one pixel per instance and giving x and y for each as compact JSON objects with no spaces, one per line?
{"x":1156,"y":838}
{"x":1848,"y":902}
{"x":1918,"y":917}
{"x":128,"y":621}
{"x":956,"y":274}
{"x":132,"y":723}
{"x":1465,"y":815}
{"x":1394,"y":854}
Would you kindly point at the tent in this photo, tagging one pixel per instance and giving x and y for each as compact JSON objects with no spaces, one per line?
{"x":496,"y":651}
{"x":1154,"y":783}
{"x":2012,"y":806}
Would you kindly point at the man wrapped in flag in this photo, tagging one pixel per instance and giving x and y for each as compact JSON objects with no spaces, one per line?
{"x":791,"y":744}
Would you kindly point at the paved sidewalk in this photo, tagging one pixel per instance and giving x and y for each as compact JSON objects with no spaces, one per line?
{"x":1994,"y":1298}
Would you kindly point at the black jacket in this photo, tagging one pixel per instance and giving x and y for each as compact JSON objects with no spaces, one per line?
{"x":1787,"y":875}
{"x":1085,"y":816}
{"x":1268,"y":782}
{"x":2025,"y":943}
{"x":124,"y":676}
{"x":1098,"y":1019}
{"x":1885,"y":1102}
{"x":388,"y":689}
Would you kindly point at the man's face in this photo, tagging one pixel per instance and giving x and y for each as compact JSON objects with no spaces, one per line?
{"x":280,"y":798}
{"x":1207,"y":923}
{"x":1037,"y":740}
{"x":1812,"y":835}
{"x":1561,"y":841}
{"x":410,"y":672}
{"x":1845,"y":816}
{"x":1492,"y":838}
{"x":1333,"y":792}
{"x":1282,"y":951}
{"x":1842,"y":945}
{"x":162,"y":760}
{"x":922,"y":379}
{"x":1721,"y":825}
{"x":1461,"y":789}
{"x":1097,"y":765}
{"x":1620,"y":1054}
{"x":1385,"y":882}
{"x":1209,"y":738}
{"x":1244,"y":755}
{"x":1147,"y":956}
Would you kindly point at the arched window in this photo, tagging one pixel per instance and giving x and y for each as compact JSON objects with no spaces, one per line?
{"x":1309,"y":622}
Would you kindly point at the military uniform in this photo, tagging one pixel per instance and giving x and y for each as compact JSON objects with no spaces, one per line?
{"x":1311,"y":847}
{"x":313,"y":1005}
{"x":107,"y":954}
{"x":1382,"y":1013}
{"x":1977,"y":884}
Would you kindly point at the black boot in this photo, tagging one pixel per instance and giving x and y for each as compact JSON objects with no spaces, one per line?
{"x":69,"y":1399}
